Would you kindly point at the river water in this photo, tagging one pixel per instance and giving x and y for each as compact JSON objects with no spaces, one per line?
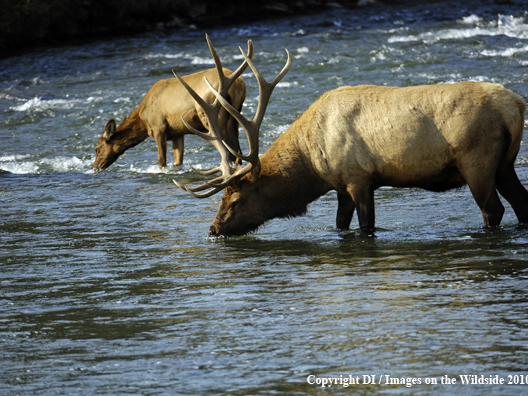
{"x":109,"y":283}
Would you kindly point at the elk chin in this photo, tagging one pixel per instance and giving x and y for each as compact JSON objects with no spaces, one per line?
{"x":99,"y":165}
{"x":102,"y":163}
{"x":217,"y":230}
{"x":227,"y":225}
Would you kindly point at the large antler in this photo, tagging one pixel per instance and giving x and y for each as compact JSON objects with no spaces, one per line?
{"x":250,"y":127}
{"x":212,"y":113}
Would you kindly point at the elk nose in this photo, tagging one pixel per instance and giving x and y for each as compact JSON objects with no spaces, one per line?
{"x":97,"y":166}
{"x":213,"y":231}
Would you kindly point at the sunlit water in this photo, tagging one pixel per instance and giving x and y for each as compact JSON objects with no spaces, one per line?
{"x":110,"y":285}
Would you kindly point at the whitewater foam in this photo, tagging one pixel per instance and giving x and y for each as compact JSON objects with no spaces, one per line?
{"x":155,"y":169}
{"x":166,"y":56}
{"x":38,"y":104}
{"x":24,"y":164}
{"x":506,"y":52}
{"x":510,"y":26}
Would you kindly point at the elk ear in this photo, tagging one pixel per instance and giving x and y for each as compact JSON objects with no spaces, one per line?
{"x":109,"y":129}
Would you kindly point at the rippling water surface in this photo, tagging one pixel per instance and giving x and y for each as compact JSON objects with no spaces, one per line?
{"x":110,"y":285}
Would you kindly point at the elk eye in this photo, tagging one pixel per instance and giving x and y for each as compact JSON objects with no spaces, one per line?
{"x":234,"y":204}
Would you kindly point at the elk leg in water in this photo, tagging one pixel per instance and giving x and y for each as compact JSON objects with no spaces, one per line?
{"x":345,"y":210}
{"x":481,"y":183}
{"x":177,"y":148}
{"x":363,"y":198}
{"x":490,"y":205}
{"x":161,"y":142}
{"x":513,"y":191}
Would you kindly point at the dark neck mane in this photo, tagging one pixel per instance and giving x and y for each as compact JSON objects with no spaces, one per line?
{"x":290,"y":179}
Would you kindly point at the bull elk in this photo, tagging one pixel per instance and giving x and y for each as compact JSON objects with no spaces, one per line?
{"x":159,"y":115}
{"x":357,"y":139}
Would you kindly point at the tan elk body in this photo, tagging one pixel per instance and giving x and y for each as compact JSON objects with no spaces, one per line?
{"x":357,"y":139}
{"x":159,"y":116}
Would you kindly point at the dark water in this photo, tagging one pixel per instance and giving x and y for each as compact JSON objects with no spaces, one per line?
{"x":109,"y":284}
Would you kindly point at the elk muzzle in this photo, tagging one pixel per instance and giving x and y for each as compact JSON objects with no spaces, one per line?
{"x":214,"y":231}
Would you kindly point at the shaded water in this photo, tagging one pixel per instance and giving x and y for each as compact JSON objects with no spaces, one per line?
{"x":109,"y":284}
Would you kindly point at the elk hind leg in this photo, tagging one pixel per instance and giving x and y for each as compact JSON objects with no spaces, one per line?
{"x":363,"y":198}
{"x":482,"y":186}
{"x":513,"y":191}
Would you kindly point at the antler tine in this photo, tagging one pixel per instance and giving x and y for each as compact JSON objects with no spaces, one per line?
{"x":196,"y":131}
{"x":204,"y":195}
{"x":216,"y":58}
{"x":207,"y":172}
{"x":227,"y":81}
{"x":238,"y":72}
{"x":201,"y":187}
{"x":191,"y":91}
{"x":266,"y":88}
{"x":219,"y":69}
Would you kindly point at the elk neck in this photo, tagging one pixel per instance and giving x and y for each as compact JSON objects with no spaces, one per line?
{"x":287,"y":180}
{"x":130,"y":132}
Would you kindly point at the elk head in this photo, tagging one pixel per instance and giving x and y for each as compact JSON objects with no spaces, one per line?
{"x":105,"y":152}
{"x":240,"y":210}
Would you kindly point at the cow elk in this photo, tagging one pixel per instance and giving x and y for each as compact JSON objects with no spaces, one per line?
{"x":357,"y":139}
{"x":160,"y":114}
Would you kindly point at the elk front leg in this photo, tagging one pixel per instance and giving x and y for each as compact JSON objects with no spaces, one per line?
{"x":177,"y":149}
{"x":161,"y":141}
{"x":363,"y":197}
{"x":345,"y":210}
